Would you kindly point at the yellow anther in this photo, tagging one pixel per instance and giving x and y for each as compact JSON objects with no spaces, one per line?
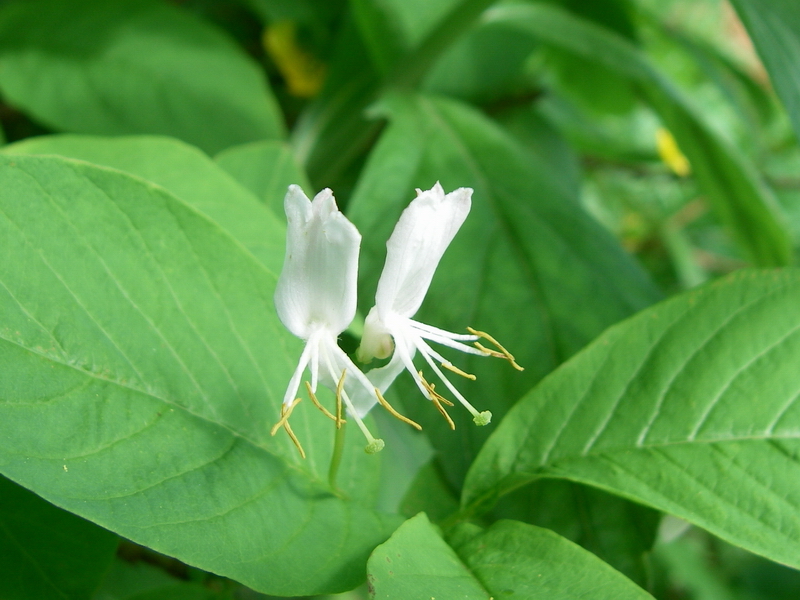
{"x":457,"y":371}
{"x":316,"y":402}
{"x":503,"y":352}
{"x":286,"y":412}
{"x":394,"y":413}
{"x":339,"y":389}
{"x":437,"y":399}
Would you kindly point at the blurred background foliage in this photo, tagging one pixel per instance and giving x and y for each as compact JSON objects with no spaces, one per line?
{"x":599,"y":124}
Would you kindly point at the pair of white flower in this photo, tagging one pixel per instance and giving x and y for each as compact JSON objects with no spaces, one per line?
{"x":316,"y":300}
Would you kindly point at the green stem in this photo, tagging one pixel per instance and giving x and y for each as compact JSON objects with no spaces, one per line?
{"x":336,"y":459}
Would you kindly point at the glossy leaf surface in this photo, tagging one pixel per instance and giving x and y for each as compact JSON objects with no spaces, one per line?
{"x":109,"y":67}
{"x":154,"y":367}
{"x":689,"y":407}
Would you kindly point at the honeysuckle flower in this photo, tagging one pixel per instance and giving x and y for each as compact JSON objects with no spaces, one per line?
{"x":423,"y":233}
{"x":315,"y":298}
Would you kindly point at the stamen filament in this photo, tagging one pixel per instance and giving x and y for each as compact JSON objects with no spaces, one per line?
{"x":503,"y":352}
{"x":437,"y":400}
{"x":443,"y":332}
{"x":431,"y":389}
{"x":286,"y":412}
{"x":294,"y":439}
{"x":339,"y":390}
{"x":422,"y":348}
{"x":294,"y":383}
{"x":448,"y":341}
{"x":316,"y":402}
{"x":373,"y":444}
{"x":394,"y":413}
{"x":479,"y":418}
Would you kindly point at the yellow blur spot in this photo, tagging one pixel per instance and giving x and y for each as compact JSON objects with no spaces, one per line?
{"x":303,"y":72}
{"x":670,"y":153}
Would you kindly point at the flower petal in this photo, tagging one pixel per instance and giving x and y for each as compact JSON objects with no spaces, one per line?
{"x":317,"y":286}
{"x":425,"y":229}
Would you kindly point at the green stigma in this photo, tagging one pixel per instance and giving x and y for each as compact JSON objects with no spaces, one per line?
{"x":375,"y":446}
{"x":483,"y":418}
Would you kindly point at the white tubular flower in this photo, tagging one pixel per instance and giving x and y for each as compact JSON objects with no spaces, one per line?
{"x":425,"y":229}
{"x":316,"y":300}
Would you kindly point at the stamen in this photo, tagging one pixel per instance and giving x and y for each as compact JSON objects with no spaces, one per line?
{"x":457,"y":371}
{"x":394,"y":413}
{"x":373,"y":444}
{"x":316,"y":402}
{"x":503,"y":352}
{"x":479,"y":418}
{"x":294,"y":439}
{"x":286,"y":412}
{"x":437,"y":400}
{"x":339,"y":390}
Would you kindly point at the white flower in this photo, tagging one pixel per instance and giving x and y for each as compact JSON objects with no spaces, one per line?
{"x":425,"y":229}
{"x":315,"y":298}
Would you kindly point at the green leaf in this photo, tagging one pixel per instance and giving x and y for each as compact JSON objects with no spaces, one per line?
{"x":118,"y":67}
{"x":188,"y":174}
{"x":46,"y":552}
{"x":616,"y":530}
{"x":689,"y":407}
{"x":485,"y":64}
{"x":526,"y":249}
{"x":517,"y":560}
{"x":742,"y":201}
{"x":407,"y":35}
{"x":774,"y":27}
{"x":430,"y":494}
{"x":509,"y":559}
{"x":417,"y":563}
{"x":332,"y":131}
{"x":266,"y":169}
{"x":143,"y":367}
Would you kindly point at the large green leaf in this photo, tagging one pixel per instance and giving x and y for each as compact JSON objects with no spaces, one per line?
{"x":266,"y":169}
{"x":132,"y":66}
{"x":527,"y":249}
{"x":690,"y":407}
{"x":774,"y":26}
{"x":739,"y":197}
{"x":417,"y":563}
{"x":531,"y":562}
{"x":486,"y":64}
{"x":618,"y":531}
{"x":509,"y":559}
{"x":143,"y":366}
{"x":190,"y":175}
{"x":46,"y":552}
